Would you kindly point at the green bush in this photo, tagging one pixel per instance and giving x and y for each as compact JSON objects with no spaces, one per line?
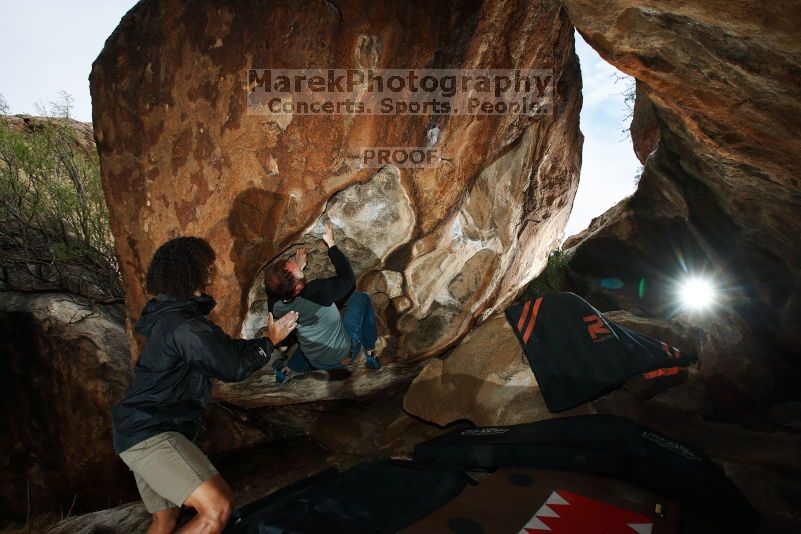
{"x":52,"y":208}
{"x":552,"y":278}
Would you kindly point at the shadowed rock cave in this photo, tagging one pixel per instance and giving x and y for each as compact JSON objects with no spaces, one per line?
{"x":442,"y":251}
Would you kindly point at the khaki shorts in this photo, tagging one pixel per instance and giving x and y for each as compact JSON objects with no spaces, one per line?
{"x":167,"y":468}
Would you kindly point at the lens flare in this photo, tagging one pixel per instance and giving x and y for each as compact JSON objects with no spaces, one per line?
{"x":697,"y":293}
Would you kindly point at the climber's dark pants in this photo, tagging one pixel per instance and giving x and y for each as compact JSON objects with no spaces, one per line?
{"x":358,"y":319}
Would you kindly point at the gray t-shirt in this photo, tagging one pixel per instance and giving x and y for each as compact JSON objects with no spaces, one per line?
{"x":321,"y":335}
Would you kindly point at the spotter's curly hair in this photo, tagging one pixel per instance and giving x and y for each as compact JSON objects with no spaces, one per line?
{"x":180,"y":267}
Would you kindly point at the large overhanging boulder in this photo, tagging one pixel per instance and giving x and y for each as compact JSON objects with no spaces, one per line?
{"x":719,"y":192}
{"x":439,"y":248}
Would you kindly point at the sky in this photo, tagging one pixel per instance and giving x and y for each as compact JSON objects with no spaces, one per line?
{"x":48,"y":46}
{"x":609,"y":165}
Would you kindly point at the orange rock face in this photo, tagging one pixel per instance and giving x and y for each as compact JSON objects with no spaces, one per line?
{"x":438,"y":247}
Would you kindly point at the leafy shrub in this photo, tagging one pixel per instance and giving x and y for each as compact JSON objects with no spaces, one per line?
{"x":552,"y":278}
{"x":52,"y":209}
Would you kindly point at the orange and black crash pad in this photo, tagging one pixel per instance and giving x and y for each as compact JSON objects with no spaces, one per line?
{"x":577,"y":354}
{"x":532,"y":501}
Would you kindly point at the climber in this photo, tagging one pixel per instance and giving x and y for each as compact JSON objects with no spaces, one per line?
{"x":325,"y":340}
{"x":158,"y":418}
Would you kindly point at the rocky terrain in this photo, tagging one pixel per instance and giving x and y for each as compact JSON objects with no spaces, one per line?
{"x":63,"y":365}
{"x":441,"y":250}
{"x":439,"y":247}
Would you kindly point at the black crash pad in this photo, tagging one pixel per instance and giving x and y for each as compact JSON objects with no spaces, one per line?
{"x":603,"y":445}
{"x":380,"y":497}
{"x":577,"y":354}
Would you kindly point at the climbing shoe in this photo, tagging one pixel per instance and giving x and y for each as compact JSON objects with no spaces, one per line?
{"x":371,"y":362}
{"x":283,"y":377}
{"x":283,"y":374}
